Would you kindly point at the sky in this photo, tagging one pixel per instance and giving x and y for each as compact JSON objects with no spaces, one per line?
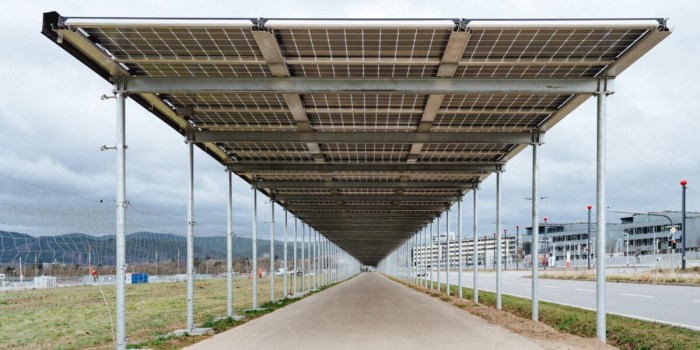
{"x":53,"y":121}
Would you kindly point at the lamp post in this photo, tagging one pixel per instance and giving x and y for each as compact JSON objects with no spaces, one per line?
{"x":546,"y":245}
{"x":588,"y":246}
{"x":517,"y":245}
{"x":684,"y":182}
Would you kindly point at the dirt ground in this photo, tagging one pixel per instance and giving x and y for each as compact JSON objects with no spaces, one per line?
{"x":544,"y":335}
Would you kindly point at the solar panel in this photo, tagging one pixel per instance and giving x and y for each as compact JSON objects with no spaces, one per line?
{"x":417,"y":178}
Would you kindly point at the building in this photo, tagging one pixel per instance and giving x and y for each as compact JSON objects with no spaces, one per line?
{"x":435,"y":254}
{"x":637,"y":235}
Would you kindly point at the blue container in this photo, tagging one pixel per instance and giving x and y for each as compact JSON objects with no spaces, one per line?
{"x":137,"y":278}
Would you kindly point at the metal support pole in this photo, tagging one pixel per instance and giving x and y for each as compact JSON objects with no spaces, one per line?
{"x":683,"y":183}
{"x":601,"y":219}
{"x":432,"y":256}
{"x":272,"y":252}
{"x":425,"y":257}
{"x":317,"y":271}
{"x":439,"y":254}
{"x":229,"y":249}
{"x":499,"y":253}
{"x":255,"y":244}
{"x":459,"y":243}
{"x":285,"y":285}
{"x":190,"y":239}
{"x":294,"y":280}
{"x":449,"y":251}
{"x":121,"y":217}
{"x":534,"y":246}
{"x":303,"y":269}
{"x":475,"y":250}
{"x":588,"y":246}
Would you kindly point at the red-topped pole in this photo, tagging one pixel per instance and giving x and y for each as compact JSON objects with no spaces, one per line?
{"x":588,"y":246}
{"x":684,"y":182}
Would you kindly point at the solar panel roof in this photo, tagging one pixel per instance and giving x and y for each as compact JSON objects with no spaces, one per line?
{"x":365,"y":129}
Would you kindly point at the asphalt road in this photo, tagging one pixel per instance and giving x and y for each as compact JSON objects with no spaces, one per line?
{"x":675,"y":305}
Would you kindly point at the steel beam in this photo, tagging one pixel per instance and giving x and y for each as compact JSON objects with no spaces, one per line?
{"x":361,"y":184}
{"x":364,"y":137}
{"x":350,"y":208}
{"x":368,"y":167}
{"x":355,"y":85}
{"x":362,"y":198}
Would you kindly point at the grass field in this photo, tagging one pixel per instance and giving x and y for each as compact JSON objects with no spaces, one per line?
{"x":77,"y":318}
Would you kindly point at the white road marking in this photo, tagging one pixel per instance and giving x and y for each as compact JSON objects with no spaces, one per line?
{"x":525,"y":284}
{"x":550,"y":287}
{"x":696,"y":301}
{"x":637,"y":295}
{"x":585,"y":290}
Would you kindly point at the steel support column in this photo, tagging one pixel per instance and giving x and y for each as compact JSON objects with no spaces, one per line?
{"x":121,"y":216}
{"x":499,"y":253}
{"x":272,"y":251}
{"x":255,"y":245}
{"x":459,"y":246}
{"x":229,"y":248}
{"x":432,"y":256}
{"x":294,"y":281}
{"x":303,"y":269}
{"x":534,"y":246}
{"x":439,"y":254}
{"x":285,"y":285}
{"x":601,"y":217}
{"x":475,"y":249}
{"x":190,"y":239}
{"x":449,"y":250}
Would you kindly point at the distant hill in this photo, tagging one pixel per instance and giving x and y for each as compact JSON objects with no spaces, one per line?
{"x":141,"y":247}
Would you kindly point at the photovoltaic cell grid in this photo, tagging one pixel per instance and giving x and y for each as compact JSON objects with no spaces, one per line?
{"x":328,"y":49}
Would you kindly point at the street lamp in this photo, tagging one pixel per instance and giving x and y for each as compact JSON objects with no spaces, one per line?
{"x":684,"y":182}
{"x":517,"y":253}
{"x":588,"y":246}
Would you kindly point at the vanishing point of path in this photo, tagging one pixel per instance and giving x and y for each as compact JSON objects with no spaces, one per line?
{"x":368,"y":312}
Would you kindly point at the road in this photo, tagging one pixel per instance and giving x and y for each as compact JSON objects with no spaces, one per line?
{"x":675,"y":305}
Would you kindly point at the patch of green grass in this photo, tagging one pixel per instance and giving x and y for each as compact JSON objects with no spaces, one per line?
{"x":221,"y":325}
{"x":623,"y":332}
{"x":77,"y":318}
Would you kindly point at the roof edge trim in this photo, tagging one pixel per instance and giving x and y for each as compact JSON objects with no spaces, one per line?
{"x":383,"y":23}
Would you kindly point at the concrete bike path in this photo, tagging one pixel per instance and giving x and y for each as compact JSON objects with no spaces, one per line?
{"x":368,"y":312}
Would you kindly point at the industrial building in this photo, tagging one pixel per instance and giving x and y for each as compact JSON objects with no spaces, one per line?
{"x":636,"y":235}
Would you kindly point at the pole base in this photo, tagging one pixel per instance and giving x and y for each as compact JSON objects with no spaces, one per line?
{"x":191,"y":332}
{"x":234,"y":317}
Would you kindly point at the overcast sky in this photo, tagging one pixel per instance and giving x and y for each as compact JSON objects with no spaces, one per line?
{"x":53,"y":121}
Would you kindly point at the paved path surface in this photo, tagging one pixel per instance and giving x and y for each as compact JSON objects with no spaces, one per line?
{"x":368,"y":312}
{"x":677,"y":305}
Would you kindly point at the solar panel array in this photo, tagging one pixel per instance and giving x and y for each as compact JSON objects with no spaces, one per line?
{"x":366,"y":206}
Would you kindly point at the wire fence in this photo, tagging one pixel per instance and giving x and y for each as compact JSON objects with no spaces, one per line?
{"x":57,"y":270}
